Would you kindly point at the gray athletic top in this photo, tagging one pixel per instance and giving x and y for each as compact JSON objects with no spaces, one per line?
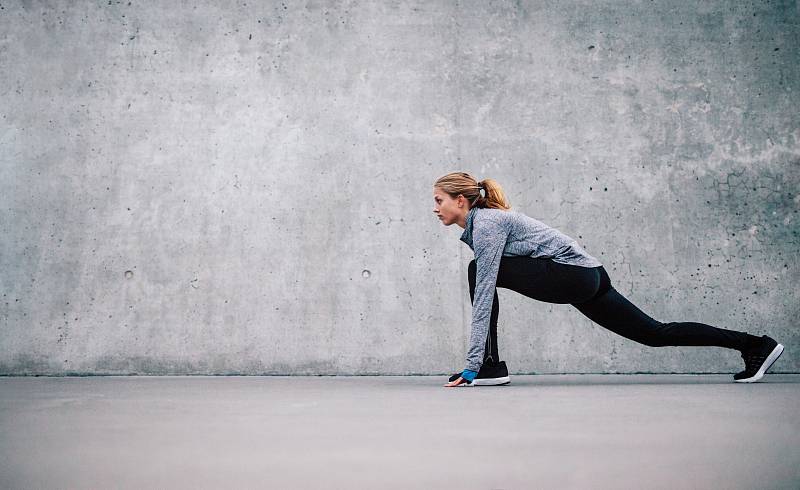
{"x":492,"y":233}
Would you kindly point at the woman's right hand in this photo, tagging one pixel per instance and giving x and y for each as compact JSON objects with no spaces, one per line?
{"x":457,"y":382}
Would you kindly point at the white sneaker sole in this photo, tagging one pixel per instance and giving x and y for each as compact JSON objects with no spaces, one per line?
{"x":771,"y":358}
{"x":489,"y":382}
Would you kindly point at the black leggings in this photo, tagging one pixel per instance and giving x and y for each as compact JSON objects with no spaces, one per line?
{"x":590,"y":291}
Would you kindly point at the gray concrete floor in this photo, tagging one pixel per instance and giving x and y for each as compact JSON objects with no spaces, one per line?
{"x":551,"y":431}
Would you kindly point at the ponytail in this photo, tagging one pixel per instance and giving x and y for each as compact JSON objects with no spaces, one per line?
{"x":462,"y":183}
{"x":493,"y":197}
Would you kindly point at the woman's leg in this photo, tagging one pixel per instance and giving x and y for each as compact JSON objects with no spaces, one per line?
{"x":590,"y":291}
{"x":609,"y":309}
{"x":536,"y":278}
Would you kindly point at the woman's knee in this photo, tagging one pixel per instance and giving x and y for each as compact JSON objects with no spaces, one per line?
{"x":658,"y":335}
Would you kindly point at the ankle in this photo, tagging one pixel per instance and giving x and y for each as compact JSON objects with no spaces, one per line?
{"x":750,"y":342}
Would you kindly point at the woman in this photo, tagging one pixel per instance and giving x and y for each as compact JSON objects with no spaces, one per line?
{"x":517,"y":252}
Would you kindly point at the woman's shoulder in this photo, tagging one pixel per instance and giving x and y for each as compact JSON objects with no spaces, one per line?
{"x":508,"y":219}
{"x":488,"y":219}
{"x":498,"y":215}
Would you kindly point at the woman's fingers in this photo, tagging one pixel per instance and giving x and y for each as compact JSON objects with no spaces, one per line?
{"x":457,"y":382}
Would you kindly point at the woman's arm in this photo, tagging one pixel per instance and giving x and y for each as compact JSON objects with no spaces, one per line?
{"x":489,"y":241}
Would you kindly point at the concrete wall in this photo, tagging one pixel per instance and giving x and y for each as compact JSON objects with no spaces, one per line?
{"x":246,"y":188}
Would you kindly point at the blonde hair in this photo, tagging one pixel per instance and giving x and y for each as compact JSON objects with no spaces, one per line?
{"x":462,"y":183}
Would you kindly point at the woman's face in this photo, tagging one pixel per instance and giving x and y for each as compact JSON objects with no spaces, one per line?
{"x":447,"y":208}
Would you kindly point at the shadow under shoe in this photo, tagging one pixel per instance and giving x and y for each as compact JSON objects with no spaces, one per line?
{"x":490,"y":374}
{"x":757,"y":359}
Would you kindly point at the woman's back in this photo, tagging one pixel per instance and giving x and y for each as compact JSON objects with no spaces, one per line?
{"x":525,"y":236}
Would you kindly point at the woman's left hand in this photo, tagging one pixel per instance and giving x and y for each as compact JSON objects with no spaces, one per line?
{"x":457,"y":382}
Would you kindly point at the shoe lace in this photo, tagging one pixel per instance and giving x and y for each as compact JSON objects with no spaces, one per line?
{"x":753,"y":360}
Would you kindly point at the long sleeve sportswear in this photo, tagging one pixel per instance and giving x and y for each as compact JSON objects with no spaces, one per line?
{"x":493,"y":233}
{"x":469,"y":375}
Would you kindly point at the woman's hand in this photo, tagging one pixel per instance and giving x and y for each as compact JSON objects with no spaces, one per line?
{"x":457,"y":382}
{"x":467,"y":376}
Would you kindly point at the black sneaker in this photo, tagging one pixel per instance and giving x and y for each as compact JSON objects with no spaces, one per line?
{"x":490,"y":374}
{"x":757,"y":359}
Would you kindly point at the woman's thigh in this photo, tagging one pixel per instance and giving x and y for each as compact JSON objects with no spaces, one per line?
{"x":548,"y":281}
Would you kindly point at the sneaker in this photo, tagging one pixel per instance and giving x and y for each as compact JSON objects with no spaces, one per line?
{"x":490,"y":374}
{"x":757,"y":359}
